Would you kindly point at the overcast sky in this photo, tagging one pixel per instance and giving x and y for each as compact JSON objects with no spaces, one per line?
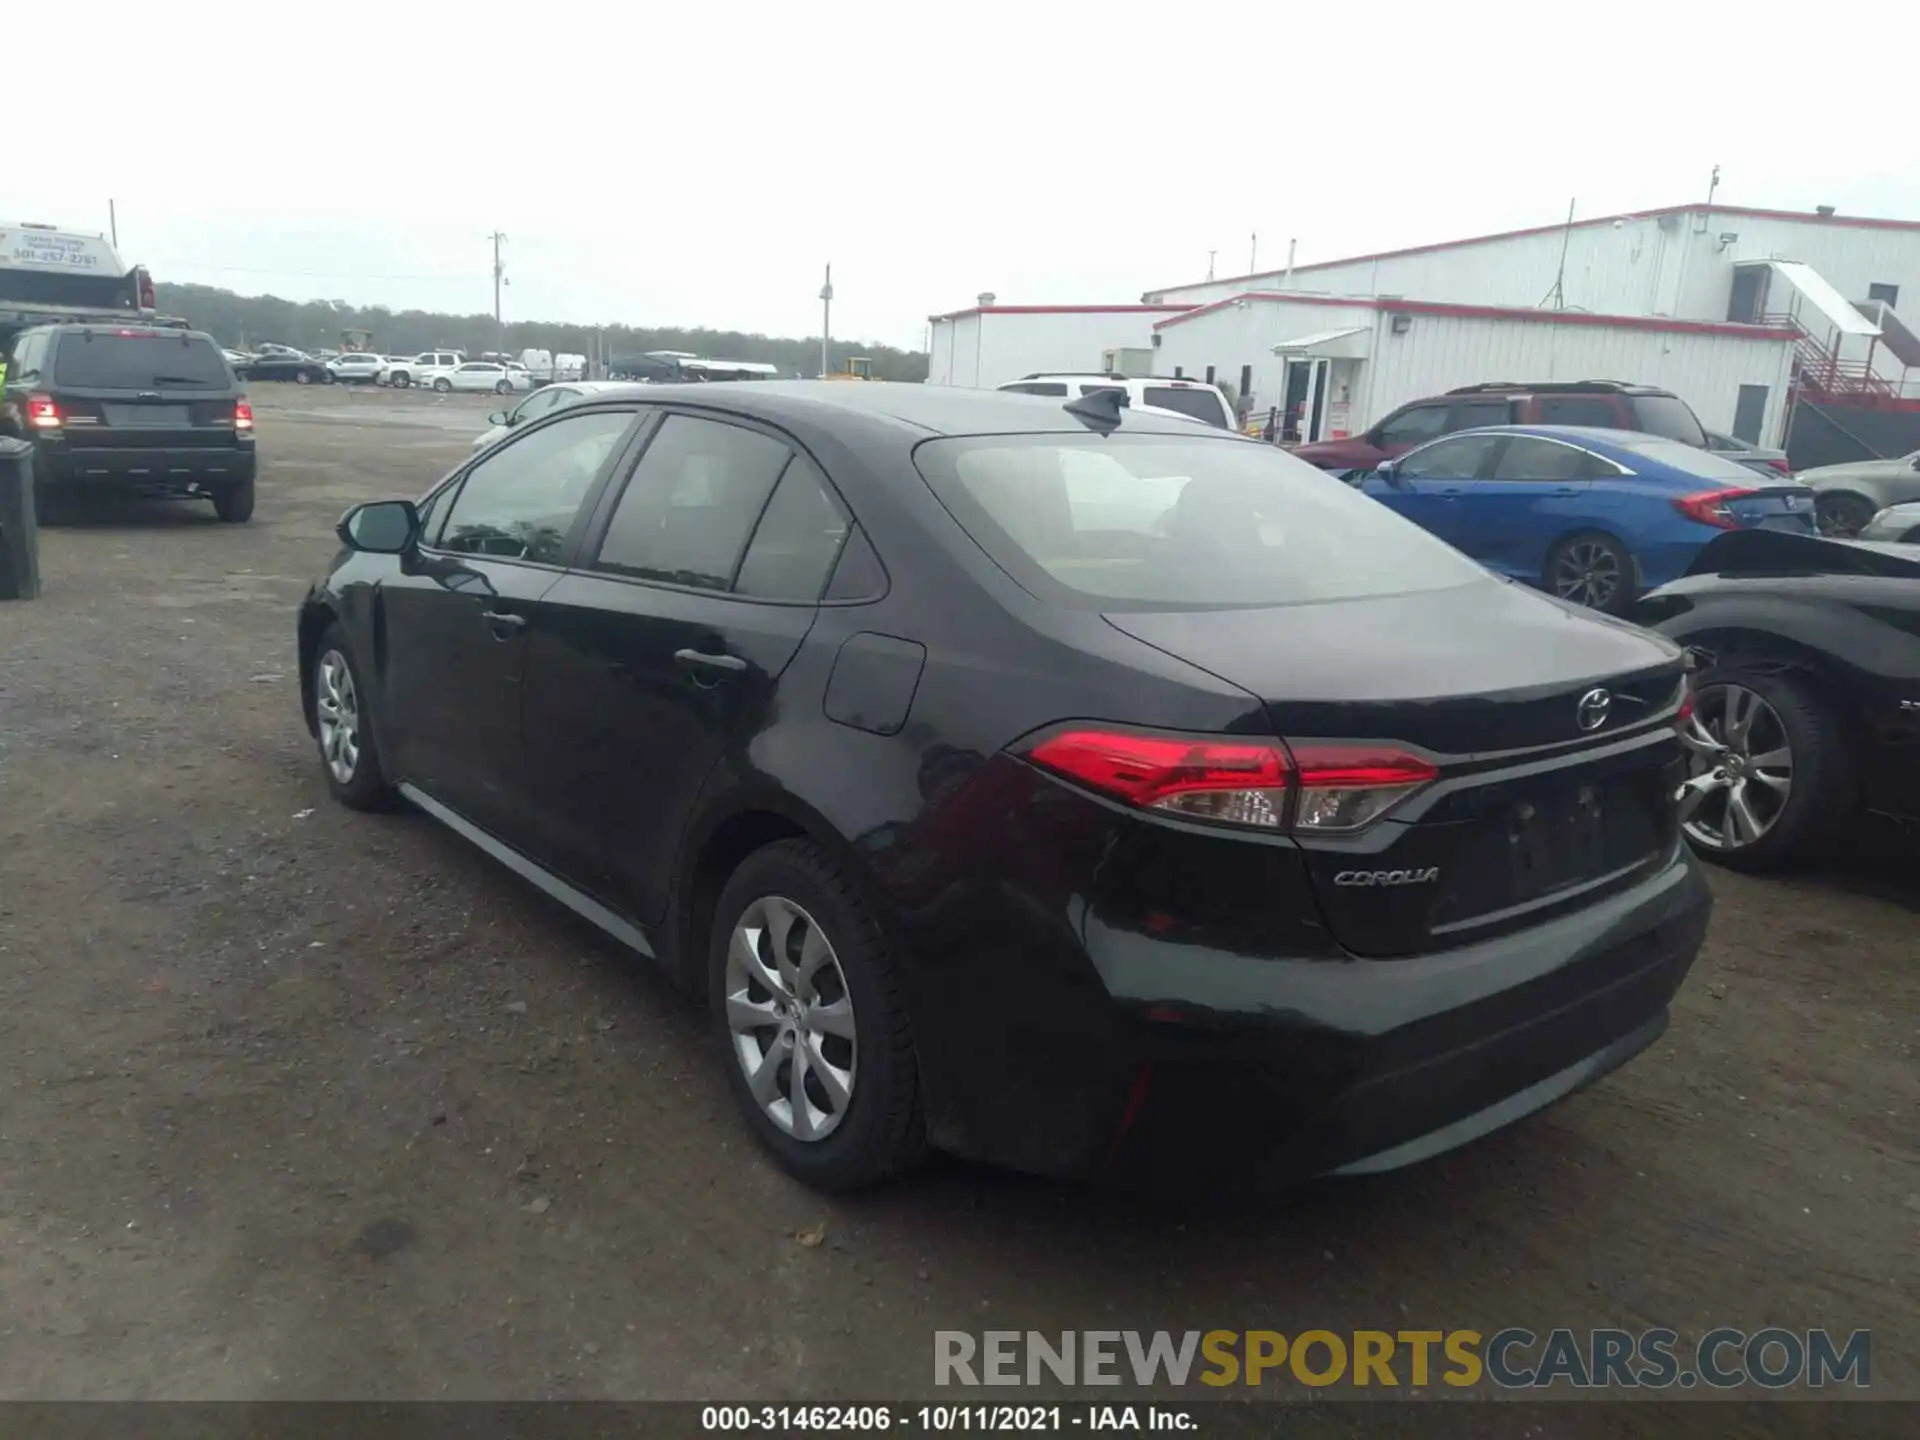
{"x":692,"y":164}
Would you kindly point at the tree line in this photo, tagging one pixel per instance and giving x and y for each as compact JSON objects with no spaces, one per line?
{"x":243,"y":321}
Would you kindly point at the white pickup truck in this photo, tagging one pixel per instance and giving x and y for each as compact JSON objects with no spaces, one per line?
{"x":422,"y":369}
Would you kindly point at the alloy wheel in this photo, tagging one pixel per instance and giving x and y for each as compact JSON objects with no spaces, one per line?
{"x":337,"y":704}
{"x":1587,"y":572}
{"x":1841,"y":517}
{"x":1741,"y":768}
{"x":791,"y":1018}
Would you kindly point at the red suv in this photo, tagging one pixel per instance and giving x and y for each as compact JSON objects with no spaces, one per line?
{"x":1582,"y":402}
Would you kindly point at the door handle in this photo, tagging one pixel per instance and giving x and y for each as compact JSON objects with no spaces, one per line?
{"x":504,"y":619}
{"x":699,"y":663}
{"x":1567,"y":490}
{"x":1453,"y":494}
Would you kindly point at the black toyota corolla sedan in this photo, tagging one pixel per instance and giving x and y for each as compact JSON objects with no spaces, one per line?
{"x":1073,"y":787}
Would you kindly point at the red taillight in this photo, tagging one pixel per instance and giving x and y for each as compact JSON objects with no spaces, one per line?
{"x":42,"y":412}
{"x":1709,"y":507}
{"x":1238,"y":782}
{"x":1683,"y":717}
{"x":242,"y":415}
{"x":1781,"y":465}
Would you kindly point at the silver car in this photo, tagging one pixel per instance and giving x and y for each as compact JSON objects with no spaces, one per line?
{"x":1763,"y":459}
{"x":1897,"y":522}
{"x":1850,"y":495}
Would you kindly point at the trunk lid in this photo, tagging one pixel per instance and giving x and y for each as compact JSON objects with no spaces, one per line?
{"x":1537,"y":807}
{"x":1774,"y":507}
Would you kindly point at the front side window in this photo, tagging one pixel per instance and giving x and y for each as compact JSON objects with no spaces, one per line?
{"x":1195,"y":404}
{"x":1178,"y":522}
{"x":1458,"y":459}
{"x":520,"y":501}
{"x":694,"y":498}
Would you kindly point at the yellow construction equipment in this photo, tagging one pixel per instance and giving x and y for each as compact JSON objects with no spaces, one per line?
{"x":854,"y":367}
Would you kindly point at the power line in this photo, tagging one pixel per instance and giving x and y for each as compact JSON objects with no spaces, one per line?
{"x":316,"y":274}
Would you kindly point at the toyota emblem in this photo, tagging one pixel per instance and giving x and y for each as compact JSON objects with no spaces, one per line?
{"x":1591,"y":712}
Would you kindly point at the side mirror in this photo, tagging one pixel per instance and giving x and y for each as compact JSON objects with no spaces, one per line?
{"x":1389,"y":471}
{"x":500,"y":417}
{"x":380,"y":527}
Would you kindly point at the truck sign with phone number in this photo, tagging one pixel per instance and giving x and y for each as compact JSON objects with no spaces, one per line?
{"x":55,"y":250}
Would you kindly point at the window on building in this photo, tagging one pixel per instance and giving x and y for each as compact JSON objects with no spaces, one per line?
{"x":1880,"y":290}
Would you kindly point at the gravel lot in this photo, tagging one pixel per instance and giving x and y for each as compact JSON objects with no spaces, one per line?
{"x":301,"y":1103}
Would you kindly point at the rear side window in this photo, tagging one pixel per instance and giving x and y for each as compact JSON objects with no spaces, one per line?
{"x":797,"y":541}
{"x":1200,"y":404}
{"x":29,"y":354}
{"x":695,"y":497}
{"x":1480,"y":412}
{"x":1037,"y":387}
{"x":1171,"y":522}
{"x":140,"y":360}
{"x":1666,"y":415}
{"x":1578,"y":410}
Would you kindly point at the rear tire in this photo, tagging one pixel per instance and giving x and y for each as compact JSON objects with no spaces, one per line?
{"x":1798,"y":737}
{"x":503,"y":388}
{"x":878,"y":1131}
{"x":401,"y":381}
{"x":443,"y":385}
{"x":234,"y":503}
{"x":1592,"y":569}
{"x":301,"y":377}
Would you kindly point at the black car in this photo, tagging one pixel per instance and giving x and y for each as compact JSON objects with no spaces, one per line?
{"x":1075,"y":788}
{"x":1807,"y":702}
{"x":288,"y":365}
{"x":129,"y":410}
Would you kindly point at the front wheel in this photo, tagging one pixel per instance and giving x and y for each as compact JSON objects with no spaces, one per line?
{"x":401,"y":381}
{"x":443,"y":385}
{"x":343,"y":727}
{"x":301,"y":377}
{"x":1768,"y":768}
{"x":807,"y":1009}
{"x":1594,"y":570}
{"x":503,"y":388}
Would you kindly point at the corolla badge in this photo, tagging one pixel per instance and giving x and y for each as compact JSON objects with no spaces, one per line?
{"x":1425,"y":876}
{"x":1591,"y":712}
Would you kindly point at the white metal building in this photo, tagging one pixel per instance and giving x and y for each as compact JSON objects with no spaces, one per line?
{"x":1839,"y":278}
{"x":989,"y":345}
{"x":1352,"y":360}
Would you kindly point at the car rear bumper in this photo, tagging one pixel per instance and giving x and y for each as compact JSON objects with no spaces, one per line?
{"x":1206,"y":1066}
{"x":163,"y":468}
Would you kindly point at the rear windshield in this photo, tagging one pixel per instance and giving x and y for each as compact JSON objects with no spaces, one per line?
{"x":1665,"y":415}
{"x":1200,"y":404}
{"x":140,"y":361}
{"x":1171,"y":522}
{"x":1689,"y":461}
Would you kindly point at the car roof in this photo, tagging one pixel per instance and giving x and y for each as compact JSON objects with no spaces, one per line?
{"x":927,"y":409}
{"x":1095,"y":377}
{"x":1595,"y":436}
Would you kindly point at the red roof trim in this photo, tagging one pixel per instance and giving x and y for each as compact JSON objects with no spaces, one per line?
{"x":1502,"y":312}
{"x":1864,"y":222}
{"x":1056,"y":310}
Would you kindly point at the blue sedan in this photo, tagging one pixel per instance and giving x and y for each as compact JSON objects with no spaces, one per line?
{"x":1595,"y":516}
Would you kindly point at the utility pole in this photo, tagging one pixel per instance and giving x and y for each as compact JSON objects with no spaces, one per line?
{"x":1210,"y":255}
{"x":826,"y":322}
{"x":1253,"y":253}
{"x":113,"y":222}
{"x":499,"y":277}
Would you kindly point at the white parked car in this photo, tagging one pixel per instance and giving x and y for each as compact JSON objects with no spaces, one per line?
{"x":1194,"y":399}
{"x":543,"y":401}
{"x":483,"y":375}
{"x":422,"y":369}
{"x":357,"y":367}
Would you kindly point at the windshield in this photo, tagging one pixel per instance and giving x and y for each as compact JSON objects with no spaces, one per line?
{"x":1200,"y":404}
{"x":1171,"y":522}
{"x":1668,"y":416}
{"x":156,"y":361}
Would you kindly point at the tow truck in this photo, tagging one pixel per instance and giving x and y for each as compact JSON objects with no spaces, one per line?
{"x":49,"y":276}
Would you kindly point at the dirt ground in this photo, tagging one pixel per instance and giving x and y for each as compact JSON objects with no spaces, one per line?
{"x":300,"y":1103}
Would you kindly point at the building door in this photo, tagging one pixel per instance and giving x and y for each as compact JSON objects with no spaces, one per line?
{"x":1749,"y":413}
{"x":1749,"y":294}
{"x":1306,"y":405}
